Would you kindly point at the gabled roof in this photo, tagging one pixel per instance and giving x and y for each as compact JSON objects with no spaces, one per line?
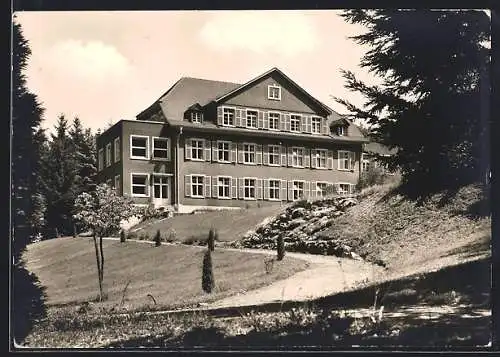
{"x":188,"y":91}
{"x":271,"y":71}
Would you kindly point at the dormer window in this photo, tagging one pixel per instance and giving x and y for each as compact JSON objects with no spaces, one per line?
{"x":274,"y":92}
{"x":341,"y":130}
{"x":196,"y":117}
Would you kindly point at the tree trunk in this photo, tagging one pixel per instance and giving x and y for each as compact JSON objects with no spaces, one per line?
{"x":97,"y":256}
{"x":102,"y":266}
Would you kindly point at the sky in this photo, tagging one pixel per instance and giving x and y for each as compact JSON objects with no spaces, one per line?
{"x":107,"y":66}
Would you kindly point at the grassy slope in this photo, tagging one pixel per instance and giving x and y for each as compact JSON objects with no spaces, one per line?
{"x":230,"y":225}
{"x":409,"y":236}
{"x":171,"y":273}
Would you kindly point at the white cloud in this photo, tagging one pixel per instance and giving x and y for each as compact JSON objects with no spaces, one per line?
{"x":93,"y":60}
{"x":261,"y":32}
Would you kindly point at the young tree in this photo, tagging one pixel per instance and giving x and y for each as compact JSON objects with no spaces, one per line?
{"x":207,"y":278}
{"x":102,"y":211}
{"x":212,"y":237}
{"x":157,"y":238}
{"x":432,"y":108}
{"x":280,"y":247}
{"x":123,"y":237}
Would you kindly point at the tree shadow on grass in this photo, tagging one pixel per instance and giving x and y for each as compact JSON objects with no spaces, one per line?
{"x":28,"y":302}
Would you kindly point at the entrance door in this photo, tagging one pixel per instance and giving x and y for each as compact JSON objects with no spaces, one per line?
{"x":161,"y":190}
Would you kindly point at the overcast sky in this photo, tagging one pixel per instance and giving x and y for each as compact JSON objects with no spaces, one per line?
{"x":107,"y":66}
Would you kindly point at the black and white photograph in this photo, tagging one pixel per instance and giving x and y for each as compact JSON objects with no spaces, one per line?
{"x":237,"y":180}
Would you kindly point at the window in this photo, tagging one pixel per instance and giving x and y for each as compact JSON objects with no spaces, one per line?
{"x":223,"y":187}
{"x":160,"y":148}
{"x":160,"y":186}
{"x":249,"y":153}
{"x":223,"y":151}
{"x":365,"y":163}
{"x":249,"y":188}
{"x":228,"y":117}
{"x":117,"y":149}
{"x":197,"y":147}
{"x":140,"y":185}
{"x":344,"y":188}
{"x":274,"y":189}
{"x":321,"y":189}
{"x":320,"y":159}
{"x":197,"y":186}
{"x":274,"y":92}
{"x":316,"y":125}
{"x":100,"y":160}
{"x":251,"y":119}
{"x":274,"y":121}
{"x":108,"y":155}
{"x":295,"y":123}
{"x":341,"y":130}
{"x":274,"y":155}
{"x":139,"y":147}
{"x":196,"y":117}
{"x":298,"y":157}
{"x":117,"y":184}
{"x":298,"y":190}
{"x":344,"y":160}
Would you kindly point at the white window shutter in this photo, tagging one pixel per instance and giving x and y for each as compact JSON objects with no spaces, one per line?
{"x":258,"y":154}
{"x":287,"y":122}
{"x":313,"y":158}
{"x":260,"y":119}
{"x":290,"y":190}
{"x":307,"y":189}
{"x":266,"y":189}
{"x":215,"y":189}
{"x":324,"y":127}
{"x":303,"y":123}
{"x":265,"y":159}
{"x":353,"y":159}
{"x":313,"y":189}
{"x":237,"y":117}
{"x":282,"y":122}
{"x":283,"y":156}
{"x":307,"y":157}
{"x":187,"y":149}
{"x":308,"y":124}
{"x":234,"y":187}
{"x":234,"y":151}
{"x":265,"y":121}
{"x":259,"y":189}
{"x":220,"y":115}
{"x":187,"y":187}
{"x":329,"y":160}
{"x":290,"y":155}
{"x":241,"y":188}
{"x":208,"y":186}
{"x":283,"y":190}
{"x":243,"y":117}
{"x":208,"y":150}
{"x":215,"y":150}
{"x":241,"y":154}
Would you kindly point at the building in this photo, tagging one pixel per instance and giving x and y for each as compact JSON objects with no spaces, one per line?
{"x":211,"y":144}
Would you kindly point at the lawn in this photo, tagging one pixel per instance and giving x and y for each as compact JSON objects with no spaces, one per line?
{"x":230,"y":224}
{"x":66,"y":267}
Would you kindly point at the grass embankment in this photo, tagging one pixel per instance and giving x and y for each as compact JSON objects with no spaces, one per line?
{"x":230,"y":224}
{"x":66,"y":267}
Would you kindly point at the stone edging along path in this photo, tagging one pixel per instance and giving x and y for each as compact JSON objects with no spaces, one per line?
{"x":325,"y":276}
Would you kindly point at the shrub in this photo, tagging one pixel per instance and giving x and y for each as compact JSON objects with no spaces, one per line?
{"x":280,"y":247}
{"x":207,"y":278}
{"x":269,"y":265}
{"x":122,"y":236}
{"x":132,"y":235}
{"x":212,"y":237}
{"x":151,"y":212}
{"x":157,"y":238}
{"x":375,"y":175}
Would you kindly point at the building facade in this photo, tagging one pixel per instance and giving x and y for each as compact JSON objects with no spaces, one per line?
{"x":210,"y":144}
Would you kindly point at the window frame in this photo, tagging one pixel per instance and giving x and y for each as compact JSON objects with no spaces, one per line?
{"x":318,"y":119}
{"x":348,"y":160}
{"x":196,"y":116}
{"x":108,"y":154}
{"x":256,"y":112}
{"x":233,"y":110}
{"x":293,"y":118}
{"x":245,"y":152}
{"x":339,"y":184}
{"x":117,"y":187}
{"x":278,"y":189}
{"x":146,"y":184}
{"x":117,"y":149}
{"x":277,"y":120}
{"x":161,"y":138}
{"x":197,"y":184}
{"x":168,"y":183}
{"x":340,"y":130}
{"x":302,"y":156}
{"x":303,"y":182}
{"x":317,"y":157}
{"x":228,"y":178}
{"x":146,"y":147}
{"x":254,"y":179}
{"x":365,"y":160}
{"x":100,"y":159}
{"x":270,"y":89}
{"x":192,"y":148}
{"x":326,"y":183}
{"x":228,"y":143}
{"x":278,"y":154}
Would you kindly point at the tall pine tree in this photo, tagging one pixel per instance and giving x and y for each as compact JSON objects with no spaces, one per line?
{"x":432,"y":104}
